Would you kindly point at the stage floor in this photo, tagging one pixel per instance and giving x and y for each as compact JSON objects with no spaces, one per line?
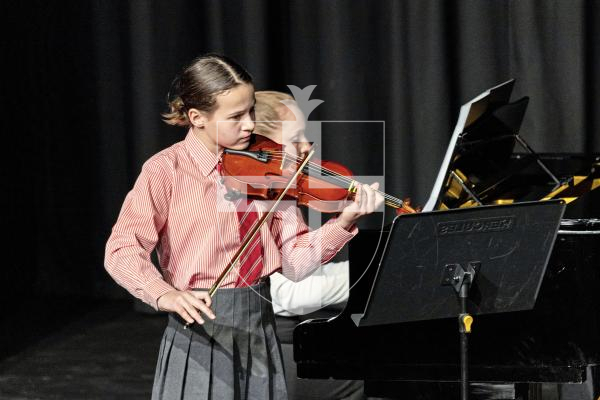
{"x":108,"y":353}
{"x":103,"y":351}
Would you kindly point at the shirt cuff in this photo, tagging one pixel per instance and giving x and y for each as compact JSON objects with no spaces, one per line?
{"x":153,"y":290}
{"x":337,"y":236}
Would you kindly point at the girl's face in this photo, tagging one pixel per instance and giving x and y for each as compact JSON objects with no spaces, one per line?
{"x":293,"y":137}
{"x":291,"y":132}
{"x":231,"y":123}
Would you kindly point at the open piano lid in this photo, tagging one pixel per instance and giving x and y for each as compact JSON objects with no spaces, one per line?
{"x":481,"y":166}
{"x":480,"y":149}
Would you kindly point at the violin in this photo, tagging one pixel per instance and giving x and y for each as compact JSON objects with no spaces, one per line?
{"x":264,"y":169}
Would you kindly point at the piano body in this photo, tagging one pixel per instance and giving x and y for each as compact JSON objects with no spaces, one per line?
{"x":557,"y":341}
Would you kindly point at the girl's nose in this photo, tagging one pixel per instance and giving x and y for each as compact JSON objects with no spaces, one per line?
{"x":303,"y":147}
{"x":248,"y":123}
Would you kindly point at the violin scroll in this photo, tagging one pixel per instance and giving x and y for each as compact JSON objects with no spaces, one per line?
{"x":406,"y":208}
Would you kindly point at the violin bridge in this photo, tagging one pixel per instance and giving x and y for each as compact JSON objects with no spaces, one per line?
{"x":282,"y":165}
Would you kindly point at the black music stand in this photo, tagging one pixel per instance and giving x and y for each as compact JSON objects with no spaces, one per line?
{"x":463,"y":262}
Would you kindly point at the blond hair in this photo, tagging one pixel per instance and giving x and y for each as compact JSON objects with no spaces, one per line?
{"x":267,"y":110}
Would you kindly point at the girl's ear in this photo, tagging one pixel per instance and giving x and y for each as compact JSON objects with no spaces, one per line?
{"x":197,"y":118}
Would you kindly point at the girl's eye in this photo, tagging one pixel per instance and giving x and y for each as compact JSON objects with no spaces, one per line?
{"x":239,"y":116}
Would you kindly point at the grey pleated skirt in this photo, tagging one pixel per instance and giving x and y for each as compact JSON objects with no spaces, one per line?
{"x":236,"y":356}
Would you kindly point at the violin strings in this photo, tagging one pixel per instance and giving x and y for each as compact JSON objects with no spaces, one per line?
{"x":313,"y":167}
{"x":392,"y":201}
{"x":317,"y":167}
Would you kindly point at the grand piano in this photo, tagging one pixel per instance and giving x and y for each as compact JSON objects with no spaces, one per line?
{"x":557,"y":342}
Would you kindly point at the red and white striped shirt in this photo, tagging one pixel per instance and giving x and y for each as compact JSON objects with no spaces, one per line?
{"x":177,"y":206}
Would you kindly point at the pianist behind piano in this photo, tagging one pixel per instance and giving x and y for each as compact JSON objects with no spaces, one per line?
{"x":326,"y":289}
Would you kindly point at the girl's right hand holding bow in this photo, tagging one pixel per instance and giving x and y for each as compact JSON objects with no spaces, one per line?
{"x":187,"y":304}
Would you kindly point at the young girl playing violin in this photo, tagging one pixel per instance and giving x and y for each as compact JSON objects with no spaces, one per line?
{"x":220,"y":347}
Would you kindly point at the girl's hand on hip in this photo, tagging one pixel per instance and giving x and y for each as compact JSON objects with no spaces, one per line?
{"x":187,"y":304}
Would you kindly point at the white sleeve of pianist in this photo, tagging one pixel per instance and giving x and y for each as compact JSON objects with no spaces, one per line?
{"x":328,"y":285}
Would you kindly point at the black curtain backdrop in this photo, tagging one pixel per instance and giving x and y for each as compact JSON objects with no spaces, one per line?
{"x":85,"y":82}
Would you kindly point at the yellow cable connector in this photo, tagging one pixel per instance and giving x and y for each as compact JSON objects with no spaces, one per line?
{"x":467,"y":320}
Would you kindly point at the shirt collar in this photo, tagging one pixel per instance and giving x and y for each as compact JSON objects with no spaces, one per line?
{"x":206,"y":159}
